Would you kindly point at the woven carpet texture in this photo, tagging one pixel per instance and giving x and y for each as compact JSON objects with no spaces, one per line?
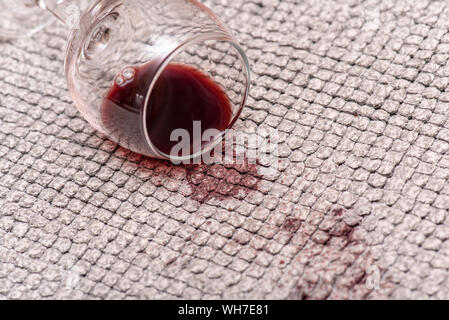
{"x":358,"y":208}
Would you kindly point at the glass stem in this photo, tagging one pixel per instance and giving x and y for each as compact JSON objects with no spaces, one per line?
{"x":67,"y":11}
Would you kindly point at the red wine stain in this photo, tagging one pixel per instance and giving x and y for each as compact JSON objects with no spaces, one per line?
{"x":359,"y":279}
{"x":343,"y":231}
{"x":338,"y":212}
{"x":180,"y":96}
{"x":299,"y":294}
{"x":221,"y":182}
{"x":320,"y":258}
{"x":207,"y":181}
{"x":291,"y":225}
{"x":171,"y":261}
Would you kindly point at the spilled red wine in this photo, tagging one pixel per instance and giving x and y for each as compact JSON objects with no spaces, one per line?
{"x":181,"y":96}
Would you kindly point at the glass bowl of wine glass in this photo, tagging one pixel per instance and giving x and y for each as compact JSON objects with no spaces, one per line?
{"x":163,"y":78}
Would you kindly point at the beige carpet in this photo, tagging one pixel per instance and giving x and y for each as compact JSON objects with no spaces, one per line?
{"x":358,"y":209}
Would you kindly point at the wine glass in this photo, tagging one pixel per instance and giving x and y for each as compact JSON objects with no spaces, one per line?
{"x":21,"y":17}
{"x":164,"y":78}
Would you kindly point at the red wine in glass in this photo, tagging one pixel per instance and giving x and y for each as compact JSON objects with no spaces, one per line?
{"x":181,"y":95}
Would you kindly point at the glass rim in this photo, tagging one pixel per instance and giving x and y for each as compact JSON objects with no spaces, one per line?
{"x":218,"y":36}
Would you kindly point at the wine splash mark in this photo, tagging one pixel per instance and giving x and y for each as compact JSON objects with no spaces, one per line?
{"x":336,"y":253}
{"x":206,"y":181}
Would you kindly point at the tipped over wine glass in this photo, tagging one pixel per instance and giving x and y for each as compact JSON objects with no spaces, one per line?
{"x":163,"y":78}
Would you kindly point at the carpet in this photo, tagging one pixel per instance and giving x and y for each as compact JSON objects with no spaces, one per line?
{"x":357,"y":210}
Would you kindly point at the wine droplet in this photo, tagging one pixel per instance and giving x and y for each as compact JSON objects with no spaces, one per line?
{"x":119,"y":80}
{"x":129,"y":73}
